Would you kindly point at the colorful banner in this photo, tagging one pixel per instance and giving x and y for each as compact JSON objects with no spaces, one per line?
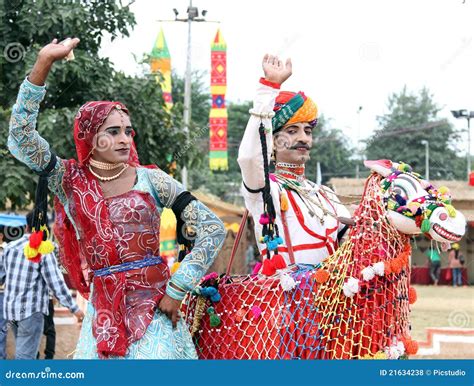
{"x":161,"y":62}
{"x":218,"y":114}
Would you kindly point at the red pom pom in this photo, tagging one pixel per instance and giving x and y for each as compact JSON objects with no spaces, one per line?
{"x":396,"y":265}
{"x":278,"y":261}
{"x":412,"y":295}
{"x":418,"y":221}
{"x":35,"y":239}
{"x":268,"y":267}
{"x":404,"y":258}
{"x":36,"y":259}
{"x":321,"y":276}
{"x":407,"y":248}
{"x":411,"y":346}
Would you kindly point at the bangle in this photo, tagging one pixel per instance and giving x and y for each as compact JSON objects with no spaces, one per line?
{"x":269,"y":83}
{"x":262,"y":115}
{"x":173,"y":291}
{"x":177,"y":287}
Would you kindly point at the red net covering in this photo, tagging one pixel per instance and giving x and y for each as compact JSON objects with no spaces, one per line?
{"x":353,"y":305}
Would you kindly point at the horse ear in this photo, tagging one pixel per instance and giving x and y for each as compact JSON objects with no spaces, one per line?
{"x":381,"y":166}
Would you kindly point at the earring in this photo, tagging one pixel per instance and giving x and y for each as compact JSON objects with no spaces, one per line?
{"x":273,"y":156}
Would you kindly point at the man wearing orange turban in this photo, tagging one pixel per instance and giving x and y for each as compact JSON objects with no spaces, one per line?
{"x":295,"y":218}
{"x":297,"y":222}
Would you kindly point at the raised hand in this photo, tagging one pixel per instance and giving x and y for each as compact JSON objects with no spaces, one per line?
{"x":274,"y":69}
{"x":49,"y":54}
{"x":55,"y":51}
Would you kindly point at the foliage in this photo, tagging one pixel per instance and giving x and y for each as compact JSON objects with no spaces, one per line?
{"x":402,"y":131}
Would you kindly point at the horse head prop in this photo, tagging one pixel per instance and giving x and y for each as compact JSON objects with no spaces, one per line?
{"x":414,"y":206}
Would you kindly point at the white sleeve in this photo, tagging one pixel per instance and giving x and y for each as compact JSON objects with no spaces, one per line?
{"x":250,"y":151}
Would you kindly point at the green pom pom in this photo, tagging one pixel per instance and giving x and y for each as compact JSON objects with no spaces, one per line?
{"x":215,"y":320}
{"x":385,"y":185}
{"x":210,"y":310}
{"x":425,"y":226}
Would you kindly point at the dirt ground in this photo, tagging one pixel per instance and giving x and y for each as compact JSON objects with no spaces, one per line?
{"x":66,"y":340}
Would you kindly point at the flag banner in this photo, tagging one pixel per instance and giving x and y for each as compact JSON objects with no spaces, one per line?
{"x":160,"y":62}
{"x":218,"y":113}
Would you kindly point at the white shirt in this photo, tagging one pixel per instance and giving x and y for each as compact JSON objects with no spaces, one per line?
{"x":311,"y":241}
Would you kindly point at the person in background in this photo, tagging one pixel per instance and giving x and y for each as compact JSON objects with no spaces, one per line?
{"x":456,"y":261}
{"x":435,"y":264}
{"x":49,"y":330}
{"x":27,"y":287}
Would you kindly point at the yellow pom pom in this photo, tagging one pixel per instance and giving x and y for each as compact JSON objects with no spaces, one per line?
{"x":46,"y":247}
{"x":443,"y":190}
{"x":30,"y":252}
{"x":380,"y":355}
{"x":174,"y":267}
{"x":451,"y":210}
{"x":283,"y":202}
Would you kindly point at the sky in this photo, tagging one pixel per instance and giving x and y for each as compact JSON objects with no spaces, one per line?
{"x":345,"y":53}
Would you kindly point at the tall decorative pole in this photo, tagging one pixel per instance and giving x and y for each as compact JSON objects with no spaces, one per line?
{"x":218,"y":113}
{"x":160,"y":63}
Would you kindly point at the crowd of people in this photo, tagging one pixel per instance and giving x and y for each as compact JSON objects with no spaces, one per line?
{"x":455,"y":264}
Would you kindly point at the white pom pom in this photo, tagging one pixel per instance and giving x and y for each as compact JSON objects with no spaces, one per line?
{"x":351,"y":287}
{"x":286,"y":281}
{"x":353,"y":284}
{"x":347,"y":291}
{"x":379,"y":268}
{"x":368,"y":273}
{"x":393,"y":353}
{"x":401,"y":348}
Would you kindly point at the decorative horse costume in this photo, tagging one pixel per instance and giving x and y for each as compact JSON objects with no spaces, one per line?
{"x":354,"y":304}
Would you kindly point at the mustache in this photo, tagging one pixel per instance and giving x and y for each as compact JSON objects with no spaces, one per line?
{"x":300,"y":145}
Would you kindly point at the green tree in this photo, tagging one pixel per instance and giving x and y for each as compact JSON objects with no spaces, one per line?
{"x":411,"y":119}
{"x":332,"y":150}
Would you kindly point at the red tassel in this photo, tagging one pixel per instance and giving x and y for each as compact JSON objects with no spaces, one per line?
{"x":412,"y":295}
{"x":278,"y":262}
{"x":35,"y":239}
{"x":36,"y":259}
{"x":268,"y":267}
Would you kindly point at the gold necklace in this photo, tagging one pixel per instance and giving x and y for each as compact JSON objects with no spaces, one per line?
{"x":101,"y":178}
{"x":105,"y":165}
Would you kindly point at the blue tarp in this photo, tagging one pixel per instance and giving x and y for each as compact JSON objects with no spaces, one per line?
{"x":12,"y":220}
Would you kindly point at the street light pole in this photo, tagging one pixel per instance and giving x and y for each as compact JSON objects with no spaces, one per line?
{"x":358,"y":147}
{"x":468,"y":115}
{"x":187,"y":93}
{"x":193,"y":15}
{"x":427,"y":159}
{"x":469,"y":144}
